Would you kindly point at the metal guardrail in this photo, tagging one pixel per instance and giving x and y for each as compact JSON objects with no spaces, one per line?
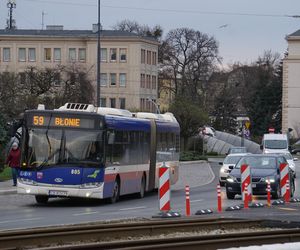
{"x":222,"y":142}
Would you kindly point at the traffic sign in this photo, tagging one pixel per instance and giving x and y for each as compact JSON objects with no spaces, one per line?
{"x":247,"y":124}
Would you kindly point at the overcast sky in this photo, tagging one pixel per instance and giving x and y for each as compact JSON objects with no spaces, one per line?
{"x":243,"y":28}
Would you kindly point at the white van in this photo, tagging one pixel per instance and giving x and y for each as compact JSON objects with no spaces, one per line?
{"x":275,"y":143}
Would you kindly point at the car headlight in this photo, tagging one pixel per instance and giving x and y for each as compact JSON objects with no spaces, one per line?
{"x":224,"y":170}
{"x":231,"y":179}
{"x":270,"y":179}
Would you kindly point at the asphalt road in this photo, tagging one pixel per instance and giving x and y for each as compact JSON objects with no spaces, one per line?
{"x":17,"y":211}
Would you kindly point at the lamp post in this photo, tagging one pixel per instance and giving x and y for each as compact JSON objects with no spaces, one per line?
{"x":155,"y":104}
{"x":11,"y":4}
{"x":98,"y":59}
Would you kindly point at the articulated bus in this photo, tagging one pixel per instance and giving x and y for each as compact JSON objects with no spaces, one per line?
{"x":79,"y":150}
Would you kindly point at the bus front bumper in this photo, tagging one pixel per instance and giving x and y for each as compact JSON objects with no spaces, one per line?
{"x":60,"y":191}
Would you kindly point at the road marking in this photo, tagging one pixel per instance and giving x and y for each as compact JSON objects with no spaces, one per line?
{"x":196,"y":201}
{"x":87,"y":213}
{"x":131,"y":208}
{"x":287,"y":209}
{"x":10,"y":221}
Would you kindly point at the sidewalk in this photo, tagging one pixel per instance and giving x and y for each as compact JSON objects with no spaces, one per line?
{"x":6,"y":187}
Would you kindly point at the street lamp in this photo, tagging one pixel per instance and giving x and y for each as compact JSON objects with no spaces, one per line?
{"x":155,"y":104}
{"x":98,"y":58}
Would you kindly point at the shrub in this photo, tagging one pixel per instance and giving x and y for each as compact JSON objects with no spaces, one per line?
{"x":191,"y":156}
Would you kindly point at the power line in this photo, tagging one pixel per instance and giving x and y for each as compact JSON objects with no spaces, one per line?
{"x":171,"y":10}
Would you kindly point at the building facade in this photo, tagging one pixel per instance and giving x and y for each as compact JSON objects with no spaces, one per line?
{"x":129,"y":69}
{"x":291,"y":86}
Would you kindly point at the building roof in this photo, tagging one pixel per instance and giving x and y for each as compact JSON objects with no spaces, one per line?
{"x":72,"y":33}
{"x":296,"y":33}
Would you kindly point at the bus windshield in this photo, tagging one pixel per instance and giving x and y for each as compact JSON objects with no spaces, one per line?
{"x":53,"y":146}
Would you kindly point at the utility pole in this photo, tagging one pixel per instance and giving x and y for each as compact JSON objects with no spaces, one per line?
{"x":43,"y":15}
{"x":98,"y":59}
{"x":11,"y":4}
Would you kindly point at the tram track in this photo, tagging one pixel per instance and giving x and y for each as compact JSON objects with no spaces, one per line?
{"x":144,"y":235}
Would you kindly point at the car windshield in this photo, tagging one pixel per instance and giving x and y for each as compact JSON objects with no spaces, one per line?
{"x":53,"y":146}
{"x":237,"y":150}
{"x":275,"y":144}
{"x":258,"y":162}
{"x":231,"y":159}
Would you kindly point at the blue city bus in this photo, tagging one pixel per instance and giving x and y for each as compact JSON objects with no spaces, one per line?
{"x":79,"y":150}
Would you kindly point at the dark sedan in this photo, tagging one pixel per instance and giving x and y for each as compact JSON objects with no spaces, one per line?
{"x":263,"y":167}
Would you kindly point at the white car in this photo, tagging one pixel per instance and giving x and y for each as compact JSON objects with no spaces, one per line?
{"x":291,"y":162}
{"x":230,"y":160}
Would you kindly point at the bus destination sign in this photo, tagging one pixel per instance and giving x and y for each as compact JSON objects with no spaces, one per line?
{"x":58,"y":121}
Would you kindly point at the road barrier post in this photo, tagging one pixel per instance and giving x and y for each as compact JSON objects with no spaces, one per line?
{"x":246,"y":205}
{"x":284,"y":179}
{"x":246,"y":179}
{"x":187,"y":201}
{"x":219,"y":198}
{"x":165,"y":193}
{"x":269,"y":193}
{"x":288,"y":194}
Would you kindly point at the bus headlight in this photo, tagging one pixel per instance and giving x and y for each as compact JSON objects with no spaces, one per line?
{"x":27,"y":181}
{"x":91,"y":185}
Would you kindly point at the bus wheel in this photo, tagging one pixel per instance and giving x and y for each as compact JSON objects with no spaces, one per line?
{"x":116,"y":193}
{"x":141,"y":194}
{"x":41,"y":199}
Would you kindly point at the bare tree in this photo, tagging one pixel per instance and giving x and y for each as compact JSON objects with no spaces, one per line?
{"x":190,"y":57}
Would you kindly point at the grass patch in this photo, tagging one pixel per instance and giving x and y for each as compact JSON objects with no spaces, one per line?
{"x":191,"y":156}
{"x":5,"y":174}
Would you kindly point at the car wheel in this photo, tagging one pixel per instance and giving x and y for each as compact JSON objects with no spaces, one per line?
{"x":116,"y":193}
{"x":41,"y":199}
{"x":230,"y":196}
{"x":277,"y":193}
{"x":292,"y":189}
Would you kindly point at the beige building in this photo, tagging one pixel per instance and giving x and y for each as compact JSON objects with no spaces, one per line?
{"x":291,"y":86}
{"x":128,"y":62}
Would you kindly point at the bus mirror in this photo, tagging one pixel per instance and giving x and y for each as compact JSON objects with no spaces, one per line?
{"x":111,"y":138}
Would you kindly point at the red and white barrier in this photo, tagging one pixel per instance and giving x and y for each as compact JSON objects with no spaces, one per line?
{"x":164,"y":188}
{"x":284,"y":179}
{"x":187,"y":201}
{"x":246,"y":179}
{"x":219,"y":198}
{"x":288,"y":193}
{"x":246,"y":201}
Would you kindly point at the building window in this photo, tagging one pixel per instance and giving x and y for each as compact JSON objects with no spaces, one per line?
{"x":6,"y":54}
{"x":22,"y":77}
{"x":142,"y":80}
{"x":113,"y":55}
{"x":122,"y":103}
{"x":153,"y":82}
{"x":103,"y":55}
{"x":148,"y":57}
{"x":142,"y":104}
{"x":82,"y":55}
{"x":122,"y":79}
{"x":47,"y":54}
{"x":103,"y":102}
{"x":22,"y":54}
{"x":112,"y":102}
{"x":57,"y":79}
{"x":103,"y":79}
{"x":31,"y":55}
{"x":148,"y":81}
{"x":123,"y":55}
{"x":57,"y":54}
{"x":72,"y":54}
{"x":154,"y":58}
{"x":113,"y":79}
{"x":143,"y":56}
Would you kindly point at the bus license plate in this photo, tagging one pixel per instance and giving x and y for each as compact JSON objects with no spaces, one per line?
{"x":58,"y":193}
